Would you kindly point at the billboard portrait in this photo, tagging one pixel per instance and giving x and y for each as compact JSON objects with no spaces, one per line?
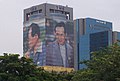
{"x":34,"y":42}
{"x":49,"y":42}
{"x":59,"y":43}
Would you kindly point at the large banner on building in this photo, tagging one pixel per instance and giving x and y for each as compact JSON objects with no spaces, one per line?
{"x":59,"y":43}
{"x":49,"y":42}
{"x":34,"y":41}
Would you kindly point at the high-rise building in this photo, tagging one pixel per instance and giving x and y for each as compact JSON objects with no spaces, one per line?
{"x":91,"y":35}
{"x":48,"y":36}
{"x":116,"y":37}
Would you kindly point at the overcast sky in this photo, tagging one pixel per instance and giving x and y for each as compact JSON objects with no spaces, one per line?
{"x":11,"y":17}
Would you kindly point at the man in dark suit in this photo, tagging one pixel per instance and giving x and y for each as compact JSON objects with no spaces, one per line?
{"x":60,"y":53}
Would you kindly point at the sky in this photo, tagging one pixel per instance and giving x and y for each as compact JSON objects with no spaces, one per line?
{"x":11,"y":18}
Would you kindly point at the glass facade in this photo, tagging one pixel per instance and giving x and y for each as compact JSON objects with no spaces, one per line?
{"x":93,"y":34}
{"x":98,"y":40}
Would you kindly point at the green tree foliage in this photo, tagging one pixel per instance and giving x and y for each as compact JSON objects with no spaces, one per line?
{"x":103,"y":66}
{"x":106,"y":63}
{"x":13,"y":68}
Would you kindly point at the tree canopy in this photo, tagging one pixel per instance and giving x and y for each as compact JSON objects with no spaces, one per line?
{"x":13,"y":68}
{"x":103,"y":66}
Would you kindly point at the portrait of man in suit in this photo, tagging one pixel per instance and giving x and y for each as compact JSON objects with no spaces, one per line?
{"x":60,"y":52}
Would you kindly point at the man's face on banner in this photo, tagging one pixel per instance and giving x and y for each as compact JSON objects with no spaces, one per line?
{"x":60,"y":35}
{"x":32,"y":40}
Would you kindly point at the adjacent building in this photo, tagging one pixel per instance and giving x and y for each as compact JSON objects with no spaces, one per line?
{"x":91,"y":35}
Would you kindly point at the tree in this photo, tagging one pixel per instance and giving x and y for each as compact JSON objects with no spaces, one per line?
{"x":103,"y":66}
{"x":13,"y":68}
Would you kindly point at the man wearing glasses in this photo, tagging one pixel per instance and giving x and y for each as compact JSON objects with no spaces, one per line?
{"x":60,"y":53}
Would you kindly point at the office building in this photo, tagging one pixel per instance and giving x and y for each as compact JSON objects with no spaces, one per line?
{"x":91,"y":35}
{"x":43,"y":39}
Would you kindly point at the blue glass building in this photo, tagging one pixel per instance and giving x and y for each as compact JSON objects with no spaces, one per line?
{"x":91,"y":35}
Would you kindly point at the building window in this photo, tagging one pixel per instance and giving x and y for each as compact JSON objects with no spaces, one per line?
{"x":67,"y":15}
{"x":56,"y":11}
{"x":59,"y":11}
{"x":27,"y":16}
{"x":51,"y":10}
{"x":40,"y":11}
{"x":34,"y":12}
